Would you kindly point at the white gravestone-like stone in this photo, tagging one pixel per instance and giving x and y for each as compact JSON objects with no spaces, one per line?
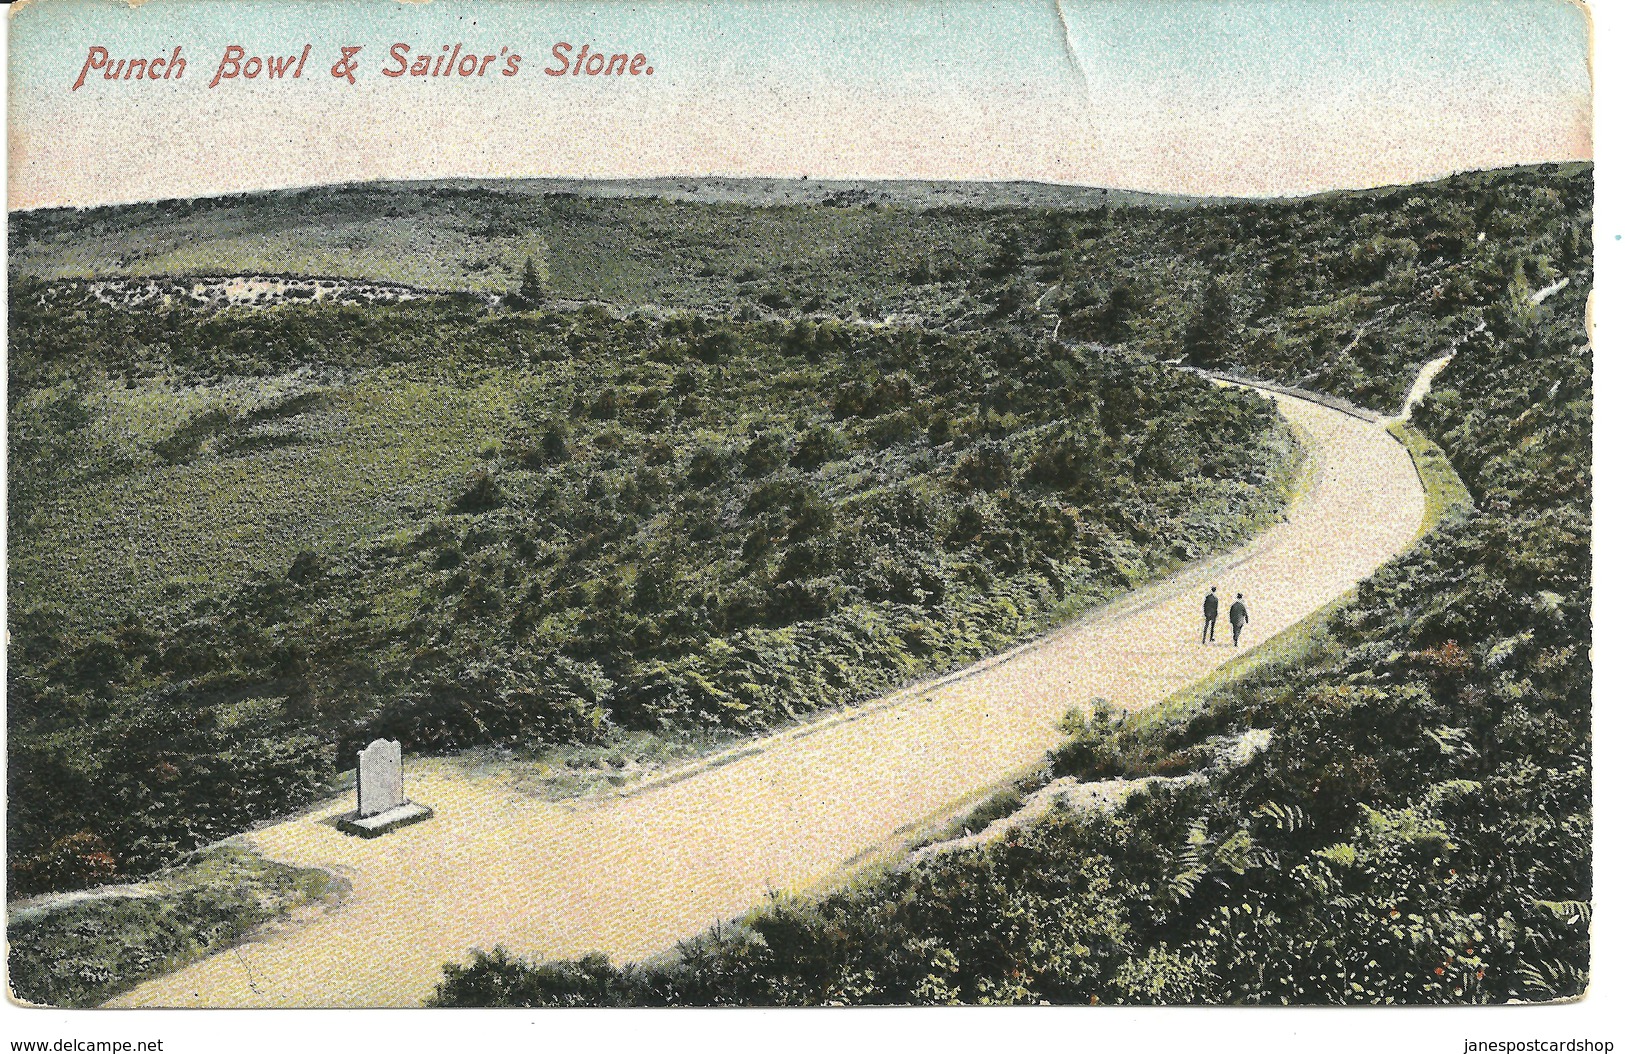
{"x":379,"y":784}
{"x":380,"y":791}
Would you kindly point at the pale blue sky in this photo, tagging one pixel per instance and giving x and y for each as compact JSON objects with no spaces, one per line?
{"x":1203,"y":96}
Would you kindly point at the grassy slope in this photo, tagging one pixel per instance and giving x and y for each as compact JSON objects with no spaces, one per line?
{"x":182,"y":490}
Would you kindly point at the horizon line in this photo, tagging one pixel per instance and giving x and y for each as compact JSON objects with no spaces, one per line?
{"x":1200,"y":199}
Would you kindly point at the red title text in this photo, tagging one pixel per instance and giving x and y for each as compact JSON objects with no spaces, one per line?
{"x":447,"y":61}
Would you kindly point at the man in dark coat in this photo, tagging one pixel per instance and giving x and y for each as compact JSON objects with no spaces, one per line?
{"x":1238,"y":619}
{"x":1210,"y":615}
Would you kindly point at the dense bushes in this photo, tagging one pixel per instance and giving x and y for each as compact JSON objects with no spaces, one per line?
{"x":1346,"y":292}
{"x":82,"y":953}
{"x":1417,"y":831}
{"x":681,"y":522}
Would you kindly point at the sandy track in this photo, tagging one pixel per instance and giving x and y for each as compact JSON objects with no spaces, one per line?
{"x":633,"y":875}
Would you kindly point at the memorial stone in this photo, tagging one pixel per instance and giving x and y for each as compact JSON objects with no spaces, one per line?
{"x":380,"y":792}
{"x":379,"y":784}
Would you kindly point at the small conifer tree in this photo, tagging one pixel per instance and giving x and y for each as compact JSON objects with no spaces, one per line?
{"x":530,"y":285}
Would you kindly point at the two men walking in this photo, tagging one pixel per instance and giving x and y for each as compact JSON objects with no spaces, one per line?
{"x":1210,"y":617}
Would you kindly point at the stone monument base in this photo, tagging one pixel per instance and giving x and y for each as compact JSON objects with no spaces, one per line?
{"x":384,"y":822}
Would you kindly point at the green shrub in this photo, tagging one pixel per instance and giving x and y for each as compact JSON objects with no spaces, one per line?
{"x":82,"y":953}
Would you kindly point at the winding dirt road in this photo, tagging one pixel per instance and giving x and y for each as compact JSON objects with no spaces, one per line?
{"x":633,"y":875}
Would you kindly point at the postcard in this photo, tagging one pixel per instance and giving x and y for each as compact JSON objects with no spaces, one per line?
{"x":798,"y":504}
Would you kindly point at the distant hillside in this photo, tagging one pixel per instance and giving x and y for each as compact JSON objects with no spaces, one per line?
{"x":913,"y":194}
{"x":595,"y":238}
{"x":1332,"y":292}
{"x":909,"y":194}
